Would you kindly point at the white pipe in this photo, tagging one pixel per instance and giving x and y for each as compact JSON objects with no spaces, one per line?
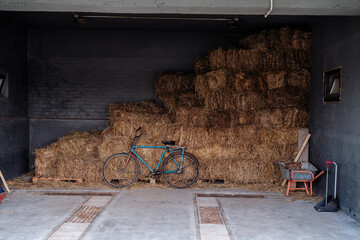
{"x":271,"y":8}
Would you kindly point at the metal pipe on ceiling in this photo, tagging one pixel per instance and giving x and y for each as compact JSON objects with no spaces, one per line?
{"x":271,"y":8}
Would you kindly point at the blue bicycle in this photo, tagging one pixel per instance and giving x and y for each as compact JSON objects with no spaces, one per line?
{"x":180,"y":168}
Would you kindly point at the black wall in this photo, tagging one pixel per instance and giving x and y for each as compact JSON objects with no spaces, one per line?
{"x":14,"y":125}
{"x":335,"y":127}
{"x":75,"y":74}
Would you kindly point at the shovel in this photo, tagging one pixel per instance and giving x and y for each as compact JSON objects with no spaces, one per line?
{"x":329,"y":204}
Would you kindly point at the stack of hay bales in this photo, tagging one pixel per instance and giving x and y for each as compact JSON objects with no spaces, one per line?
{"x":177,"y":90}
{"x":73,"y":156}
{"x":124,"y":119}
{"x":239,"y":112}
{"x":255,"y":100}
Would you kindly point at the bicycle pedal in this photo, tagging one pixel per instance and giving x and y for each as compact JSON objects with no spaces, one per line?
{"x":154,"y":175}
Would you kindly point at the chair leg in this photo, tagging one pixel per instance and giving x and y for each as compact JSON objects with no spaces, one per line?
{"x":310,"y":188}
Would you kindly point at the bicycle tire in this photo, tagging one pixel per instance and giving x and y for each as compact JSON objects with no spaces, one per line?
{"x":178,"y":177}
{"x":120,"y":178}
{"x":193,"y":156}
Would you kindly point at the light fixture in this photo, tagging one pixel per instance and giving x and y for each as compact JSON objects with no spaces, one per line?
{"x":81,"y":19}
{"x":233,"y":23}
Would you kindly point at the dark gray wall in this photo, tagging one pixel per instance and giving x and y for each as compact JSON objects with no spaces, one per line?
{"x":75,"y":74}
{"x":335,"y":127}
{"x":14,"y":125}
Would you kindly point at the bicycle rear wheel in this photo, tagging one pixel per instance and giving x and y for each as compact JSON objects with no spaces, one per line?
{"x":120,"y":170}
{"x":180,"y":171}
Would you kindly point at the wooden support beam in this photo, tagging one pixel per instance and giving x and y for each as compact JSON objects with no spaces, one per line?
{"x":5,"y":184}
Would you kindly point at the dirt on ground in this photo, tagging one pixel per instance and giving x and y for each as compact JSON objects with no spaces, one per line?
{"x":25,"y":182}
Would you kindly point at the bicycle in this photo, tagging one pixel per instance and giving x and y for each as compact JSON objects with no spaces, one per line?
{"x":179,"y":169}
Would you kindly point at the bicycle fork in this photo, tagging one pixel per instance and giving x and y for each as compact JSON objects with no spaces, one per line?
{"x":127,"y":162}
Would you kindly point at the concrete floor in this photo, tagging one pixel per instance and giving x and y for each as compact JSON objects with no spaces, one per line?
{"x":167,"y":214}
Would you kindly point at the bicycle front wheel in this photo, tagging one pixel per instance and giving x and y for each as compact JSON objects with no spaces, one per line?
{"x":120,"y":170}
{"x":180,"y":171}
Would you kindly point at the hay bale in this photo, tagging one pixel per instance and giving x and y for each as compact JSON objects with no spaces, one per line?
{"x":227,"y":164}
{"x":255,"y":60}
{"x":269,"y":118}
{"x":177,"y":89}
{"x":69,"y":156}
{"x":220,"y":119}
{"x":148,"y":107}
{"x":254,"y":41}
{"x":201,"y":117}
{"x":200,"y":137}
{"x":212,"y":81}
{"x":233,"y":101}
{"x":128,"y":122}
{"x":170,"y":100}
{"x":289,"y":117}
{"x":235,"y":136}
{"x":216,"y":80}
{"x":174,"y":83}
{"x":192,"y":137}
{"x":173,"y":101}
{"x":190,"y":100}
{"x":201,"y":65}
{"x":275,"y":80}
{"x":272,"y":154}
{"x":285,"y":37}
{"x":306,"y":41}
{"x":273,"y":39}
{"x":299,"y":79}
{"x":252,"y":101}
{"x":192,"y":116}
{"x":277,"y":137}
{"x":261,"y":85}
{"x":112,"y":144}
{"x":45,"y":162}
{"x":295,"y":117}
{"x":272,"y":60}
{"x":90,"y":170}
{"x":286,"y":97}
{"x":241,"y":83}
{"x":241,"y":166}
{"x":240,"y":60}
{"x":297,"y":39}
{"x":222,"y":100}
{"x":246,"y":118}
{"x":201,"y":85}
{"x":217,"y":59}
{"x":297,"y":59}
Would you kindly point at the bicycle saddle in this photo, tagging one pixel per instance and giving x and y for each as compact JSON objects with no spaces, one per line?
{"x":168,"y":142}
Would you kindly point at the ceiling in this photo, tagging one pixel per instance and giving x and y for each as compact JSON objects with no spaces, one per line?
{"x":219,"y":7}
{"x":152,"y":22}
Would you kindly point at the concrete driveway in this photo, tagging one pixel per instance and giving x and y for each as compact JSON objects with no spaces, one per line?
{"x":166,"y":214}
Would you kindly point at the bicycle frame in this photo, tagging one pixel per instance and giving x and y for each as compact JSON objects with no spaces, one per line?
{"x":165,"y":149}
